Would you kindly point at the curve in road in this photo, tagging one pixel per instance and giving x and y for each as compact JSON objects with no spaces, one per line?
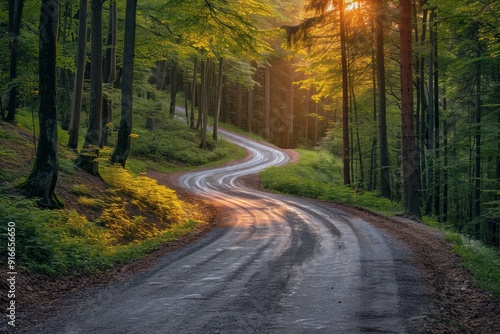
{"x":286,"y":265}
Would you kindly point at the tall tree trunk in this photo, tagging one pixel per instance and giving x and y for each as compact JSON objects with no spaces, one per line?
{"x":193,"y":91}
{"x":437,"y":160}
{"x":308,"y":106}
{"x":15,"y":14}
{"x":267,"y":102}
{"x":42,"y":180}
{"x":239,"y":105}
{"x":445,"y":166}
{"x":422,"y":97}
{"x":431,"y":119}
{"x":477,"y":139}
{"x":249,"y":109}
{"x":173,"y":89}
{"x":122,"y":149}
{"x":90,"y":152}
{"x":205,"y":67}
{"x":410,"y":168}
{"x":219,"y":98}
{"x":81,"y":55}
{"x":109,"y":73}
{"x":345,"y":96}
{"x":385,"y":184}
{"x":289,"y":115}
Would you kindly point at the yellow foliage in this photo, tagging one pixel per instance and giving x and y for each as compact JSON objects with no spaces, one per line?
{"x":148,"y":194}
{"x":124,"y":229}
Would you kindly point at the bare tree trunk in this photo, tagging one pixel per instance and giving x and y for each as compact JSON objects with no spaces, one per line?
{"x":42,"y":180}
{"x":81,"y":55}
{"x":345,"y":97}
{"x":90,"y":152}
{"x":410,"y":168}
{"x":109,"y":73}
{"x":267,"y":102}
{"x":249,"y":109}
{"x":239,"y":104}
{"x":173,"y":89}
{"x":205,"y":66}
{"x":289,"y":115}
{"x":219,"y":98}
{"x":122,"y":149}
{"x":308,"y":108}
{"x":194,"y":92}
{"x":15,"y":14}
{"x":385,"y":184}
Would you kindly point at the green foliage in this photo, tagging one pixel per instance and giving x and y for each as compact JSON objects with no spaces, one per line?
{"x":173,"y":145}
{"x":482,"y":261}
{"x":317,"y":175}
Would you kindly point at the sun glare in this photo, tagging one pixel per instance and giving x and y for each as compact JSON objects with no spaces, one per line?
{"x":352,"y":5}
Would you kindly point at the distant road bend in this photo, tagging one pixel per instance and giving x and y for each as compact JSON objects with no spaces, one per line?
{"x":286,"y":265}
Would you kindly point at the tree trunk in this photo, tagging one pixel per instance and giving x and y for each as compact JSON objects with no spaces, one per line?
{"x":385,"y":184}
{"x":267,"y":102}
{"x":81,"y":55}
{"x":109,"y":73}
{"x":410,"y":169}
{"x":249,"y":109}
{"x":15,"y":14}
{"x":477,"y":139}
{"x":42,"y":180}
{"x":193,"y":92}
{"x":173,"y":89}
{"x":437,"y":160}
{"x":205,"y":66}
{"x":122,"y":149}
{"x":345,"y":97}
{"x":239,"y":105}
{"x":90,"y":152}
{"x":219,"y":98}
{"x":289,"y":115}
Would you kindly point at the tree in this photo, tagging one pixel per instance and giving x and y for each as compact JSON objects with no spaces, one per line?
{"x":345,"y":95}
{"x":109,"y":73}
{"x":122,"y":149}
{"x":81,"y":55}
{"x":87,"y":159}
{"x":409,"y":153}
{"x":42,"y":180}
{"x":385,"y":185}
{"x":218,"y":99}
{"x":15,"y":14}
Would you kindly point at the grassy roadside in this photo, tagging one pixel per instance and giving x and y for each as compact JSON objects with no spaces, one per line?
{"x":318,"y":175}
{"x":105,"y":222}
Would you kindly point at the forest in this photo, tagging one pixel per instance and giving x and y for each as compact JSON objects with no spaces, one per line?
{"x":406,"y":93}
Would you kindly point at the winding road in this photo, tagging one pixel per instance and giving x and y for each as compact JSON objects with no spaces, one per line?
{"x":285,"y":265}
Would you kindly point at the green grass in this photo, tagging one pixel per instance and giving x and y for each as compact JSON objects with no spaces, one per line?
{"x":482,"y":261}
{"x":133,"y":217}
{"x":318,"y":175}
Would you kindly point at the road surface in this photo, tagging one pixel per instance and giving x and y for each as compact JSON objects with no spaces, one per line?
{"x":286,"y":265}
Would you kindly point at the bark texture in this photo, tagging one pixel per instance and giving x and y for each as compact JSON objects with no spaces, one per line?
{"x":122,"y":149}
{"x":42,"y":180}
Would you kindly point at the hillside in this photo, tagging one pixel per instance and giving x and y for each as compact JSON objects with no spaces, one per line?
{"x":106,"y":223}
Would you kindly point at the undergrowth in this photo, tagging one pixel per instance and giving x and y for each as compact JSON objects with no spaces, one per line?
{"x":318,"y":175}
{"x":58,"y":242}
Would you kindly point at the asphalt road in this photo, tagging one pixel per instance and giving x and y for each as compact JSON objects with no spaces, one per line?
{"x":286,"y":265}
